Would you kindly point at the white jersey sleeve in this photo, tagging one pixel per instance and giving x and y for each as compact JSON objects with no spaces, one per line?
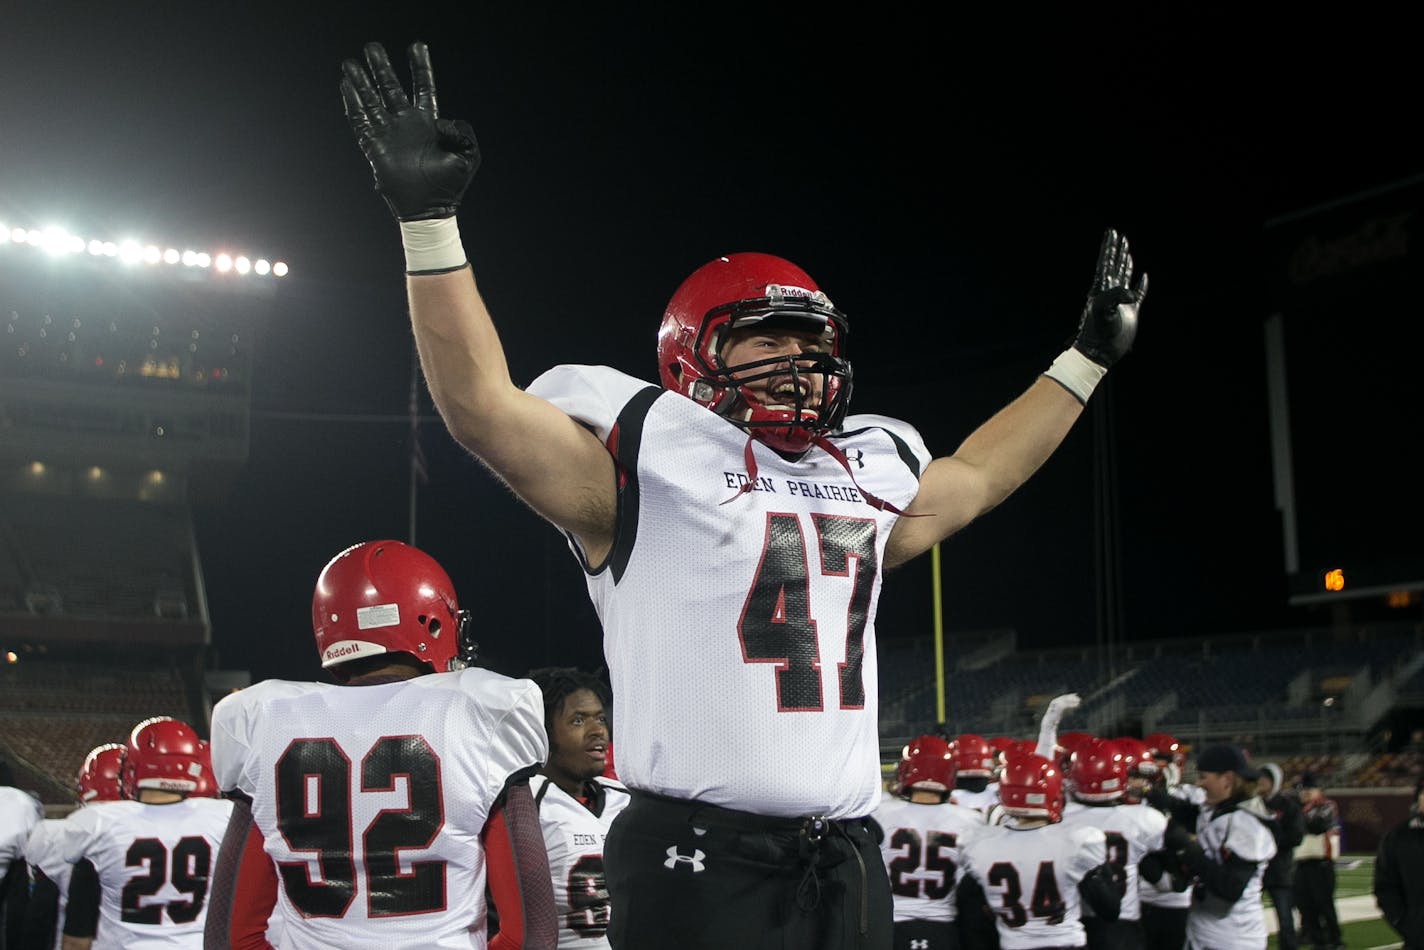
{"x":44,"y":852}
{"x":234,"y":725}
{"x":592,"y":395}
{"x":905,"y":435}
{"x":19,"y":813}
{"x":1212,"y":922}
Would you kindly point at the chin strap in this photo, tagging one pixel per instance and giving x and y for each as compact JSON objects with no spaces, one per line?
{"x":821,"y":442}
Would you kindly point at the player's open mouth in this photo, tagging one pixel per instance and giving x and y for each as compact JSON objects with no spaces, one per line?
{"x":784,"y":394}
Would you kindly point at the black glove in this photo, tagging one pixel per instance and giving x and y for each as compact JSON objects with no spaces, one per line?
{"x":422,"y":163}
{"x":1176,"y":838}
{"x":1109,"y":321}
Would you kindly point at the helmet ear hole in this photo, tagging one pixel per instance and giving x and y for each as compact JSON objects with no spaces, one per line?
{"x":433,"y":626}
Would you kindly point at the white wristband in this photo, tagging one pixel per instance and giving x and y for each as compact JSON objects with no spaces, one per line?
{"x":1076,"y":373}
{"x":433,"y":246}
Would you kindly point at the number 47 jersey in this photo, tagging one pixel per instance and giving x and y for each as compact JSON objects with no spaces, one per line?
{"x":746,"y":616}
{"x":371,"y":800}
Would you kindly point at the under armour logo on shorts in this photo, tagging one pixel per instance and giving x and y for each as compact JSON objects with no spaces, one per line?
{"x":695,"y":859}
{"x":919,"y":944}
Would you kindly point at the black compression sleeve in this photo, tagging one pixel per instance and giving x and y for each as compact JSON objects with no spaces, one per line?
{"x":81,"y":915}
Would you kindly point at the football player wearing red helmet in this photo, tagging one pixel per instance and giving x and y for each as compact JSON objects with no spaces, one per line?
{"x":1100,"y":780}
{"x":922,"y":829}
{"x":156,"y":843}
{"x":1038,"y":872}
{"x":99,"y":780}
{"x":753,"y":409}
{"x":423,"y":759}
{"x":976,"y":772}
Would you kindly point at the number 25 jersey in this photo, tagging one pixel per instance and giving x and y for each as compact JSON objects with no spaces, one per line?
{"x":740,"y":631}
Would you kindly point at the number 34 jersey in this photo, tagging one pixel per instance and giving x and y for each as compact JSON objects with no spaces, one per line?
{"x":739,"y":627}
{"x":154,"y":863}
{"x":1030,"y":878}
{"x":371,"y":799}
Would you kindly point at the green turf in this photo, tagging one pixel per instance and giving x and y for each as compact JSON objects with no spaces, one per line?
{"x":1360,"y":935}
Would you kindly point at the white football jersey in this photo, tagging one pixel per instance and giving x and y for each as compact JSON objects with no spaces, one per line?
{"x":574,"y":836}
{"x":921,"y":851}
{"x":1240,"y":925}
{"x":371,"y":799}
{"x":19,"y":813}
{"x":154,"y":864}
{"x":761,"y":610}
{"x":982,"y":802}
{"x":1131,"y":831}
{"x":1030,"y":877}
{"x":45,"y":854}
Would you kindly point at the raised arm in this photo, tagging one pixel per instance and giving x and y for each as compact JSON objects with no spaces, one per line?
{"x":1001,"y":454}
{"x":422,"y":166}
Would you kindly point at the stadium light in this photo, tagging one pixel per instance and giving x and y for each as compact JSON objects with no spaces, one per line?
{"x":58,"y":242}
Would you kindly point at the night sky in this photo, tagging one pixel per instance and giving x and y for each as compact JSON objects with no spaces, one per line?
{"x":946,"y":181}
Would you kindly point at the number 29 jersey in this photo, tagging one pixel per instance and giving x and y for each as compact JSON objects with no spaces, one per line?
{"x":154,"y":863}
{"x":747,"y":617}
{"x":1030,"y":877}
{"x":371,"y":799}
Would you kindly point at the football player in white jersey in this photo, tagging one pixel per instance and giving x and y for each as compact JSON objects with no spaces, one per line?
{"x":374,"y":813}
{"x":1224,"y":844}
{"x":1037,"y":872}
{"x":100,"y":780}
{"x":576,"y":802}
{"x":976,"y":770}
{"x":734,"y":524}
{"x":19,"y":813}
{"x":152,"y":854}
{"x":923,"y":831}
{"x":1099,"y":799}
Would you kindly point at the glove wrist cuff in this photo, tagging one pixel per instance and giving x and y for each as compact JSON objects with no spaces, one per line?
{"x":1076,"y":373}
{"x":432,"y":246}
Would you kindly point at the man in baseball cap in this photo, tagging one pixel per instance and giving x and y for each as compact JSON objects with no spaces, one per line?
{"x":1226,"y":758}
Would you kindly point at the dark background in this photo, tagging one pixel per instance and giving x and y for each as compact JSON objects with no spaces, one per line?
{"x":945,"y":178}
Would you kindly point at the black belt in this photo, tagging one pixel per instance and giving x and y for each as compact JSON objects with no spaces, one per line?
{"x":810,"y":831}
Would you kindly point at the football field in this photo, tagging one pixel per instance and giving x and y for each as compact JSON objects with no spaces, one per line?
{"x":1360,"y":925}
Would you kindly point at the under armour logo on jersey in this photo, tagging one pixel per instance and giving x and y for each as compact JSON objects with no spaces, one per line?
{"x":694,"y":859}
{"x":858,"y":458}
{"x":919,"y":944}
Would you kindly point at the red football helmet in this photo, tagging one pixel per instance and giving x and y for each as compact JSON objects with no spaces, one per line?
{"x":1163,"y":746}
{"x":742,"y":290}
{"x":1138,"y":757}
{"x":1099,"y":772}
{"x":1031,"y":787}
{"x":973,"y":757}
{"x":926,"y":763}
{"x":165,"y":754}
{"x":388,"y":597}
{"x":101,"y":776}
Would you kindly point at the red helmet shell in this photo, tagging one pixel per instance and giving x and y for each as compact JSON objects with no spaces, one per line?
{"x":973,"y":757}
{"x":926,"y":763}
{"x":165,"y":754}
{"x":388,"y":597}
{"x":742,"y":290}
{"x":100,"y":778}
{"x":1099,"y":772}
{"x":1030,"y":786}
{"x":1161,"y":745}
{"x":1137,"y":756}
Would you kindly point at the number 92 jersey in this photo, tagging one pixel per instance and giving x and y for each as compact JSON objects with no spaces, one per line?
{"x":759,"y":607}
{"x":371,"y":799}
{"x":154,"y":863}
